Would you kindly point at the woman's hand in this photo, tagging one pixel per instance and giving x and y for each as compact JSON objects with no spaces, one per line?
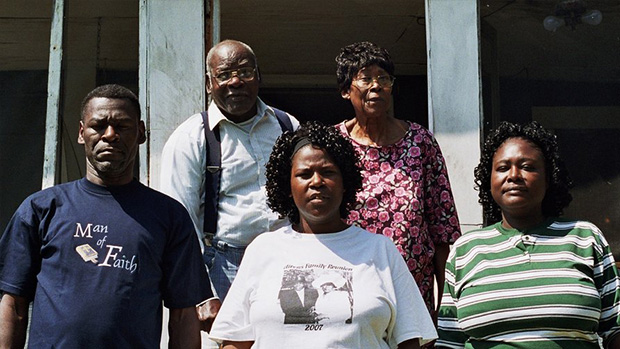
{"x":207,"y":311}
{"x":614,"y":343}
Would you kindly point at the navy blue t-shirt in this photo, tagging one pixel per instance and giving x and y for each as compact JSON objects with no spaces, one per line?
{"x":99,"y":261}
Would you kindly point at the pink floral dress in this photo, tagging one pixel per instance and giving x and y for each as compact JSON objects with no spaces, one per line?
{"x":406,"y":196}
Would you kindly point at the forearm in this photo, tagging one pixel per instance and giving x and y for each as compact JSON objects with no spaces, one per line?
{"x":614,"y":342}
{"x":409,"y":344}
{"x":184,"y":329}
{"x":13,"y":321}
{"x":439,"y":262}
{"x":237,"y":345}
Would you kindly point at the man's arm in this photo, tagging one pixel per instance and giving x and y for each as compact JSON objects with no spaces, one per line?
{"x":184,"y":328}
{"x":181,"y":176}
{"x":237,"y":345}
{"x":13,"y":321}
{"x":439,"y":261}
{"x":409,"y":344}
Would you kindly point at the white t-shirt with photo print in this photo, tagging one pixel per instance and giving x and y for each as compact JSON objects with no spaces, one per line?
{"x":382,"y":305}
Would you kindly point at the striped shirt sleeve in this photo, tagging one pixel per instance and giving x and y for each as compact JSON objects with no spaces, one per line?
{"x":608,"y":286}
{"x":451,"y":335}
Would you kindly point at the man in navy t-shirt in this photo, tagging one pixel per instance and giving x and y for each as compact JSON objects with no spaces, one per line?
{"x":98,"y":256}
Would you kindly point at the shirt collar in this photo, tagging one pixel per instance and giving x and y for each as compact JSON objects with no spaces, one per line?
{"x":216,"y":116}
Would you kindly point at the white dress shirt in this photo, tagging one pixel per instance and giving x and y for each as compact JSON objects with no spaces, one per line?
{"x":242,"y":209}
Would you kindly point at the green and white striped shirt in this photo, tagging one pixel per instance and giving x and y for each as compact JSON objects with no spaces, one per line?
{"x":552,"y":286}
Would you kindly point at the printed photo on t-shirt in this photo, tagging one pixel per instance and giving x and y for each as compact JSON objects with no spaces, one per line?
{"x":316,"y":294}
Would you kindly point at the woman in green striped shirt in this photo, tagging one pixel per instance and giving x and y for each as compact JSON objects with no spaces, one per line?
{"x":531,"y":280}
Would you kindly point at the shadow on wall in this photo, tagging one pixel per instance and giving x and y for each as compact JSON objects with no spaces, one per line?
{"x":593,"y":160}
{"x":591,"y":154}
{"x":22,"y":137}
{"x":326,"y":104}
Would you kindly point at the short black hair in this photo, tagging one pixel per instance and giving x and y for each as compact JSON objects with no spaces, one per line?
{"x":328,"y":138}
{"x":557,"y":197}
{"x":357,"y":56}
{"x":111,"y":91}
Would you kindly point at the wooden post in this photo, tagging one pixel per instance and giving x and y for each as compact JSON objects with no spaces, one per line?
{"x":454,"y":96}
{"x":52,"y":124}
{"x":215,"y":23}
{"x":143,"y":73}
{"x":172,"y":73}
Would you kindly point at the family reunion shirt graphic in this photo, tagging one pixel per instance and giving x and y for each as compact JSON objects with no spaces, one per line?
{"x":316,"y":295}
{"x":102,"y":254}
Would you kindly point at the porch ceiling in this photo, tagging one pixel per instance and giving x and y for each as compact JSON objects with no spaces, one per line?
{"x":302,"y":37}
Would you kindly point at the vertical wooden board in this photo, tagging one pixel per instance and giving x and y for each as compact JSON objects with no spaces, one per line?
{"x":172,"y":54}
{"x":454,"y":96}
{"x":52,"y":136}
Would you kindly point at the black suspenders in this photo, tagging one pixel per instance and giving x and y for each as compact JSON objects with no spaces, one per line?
{"x":214,"y":163}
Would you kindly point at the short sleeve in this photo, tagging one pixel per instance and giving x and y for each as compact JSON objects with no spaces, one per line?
{"x":440,"y":210}
{"x":20,"y":258}
{"x":185,"y":279}
{"x":450,"y":333}
{"x":608,"y":286}
{"x":412,"y":318}
{"x":233,"y":320}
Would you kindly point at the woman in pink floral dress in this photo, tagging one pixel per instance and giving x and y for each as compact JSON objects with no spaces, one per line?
{"x":406,"y":192}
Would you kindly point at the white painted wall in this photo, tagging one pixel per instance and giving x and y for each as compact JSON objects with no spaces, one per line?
{"x":171,"y":79}
{"x":172,"y":73}
{"x":454,"y":96}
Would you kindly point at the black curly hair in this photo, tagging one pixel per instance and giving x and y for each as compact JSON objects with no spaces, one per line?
{"x":357,"y":56}
{"x":328,"y":138}
{"x":557,"y":197}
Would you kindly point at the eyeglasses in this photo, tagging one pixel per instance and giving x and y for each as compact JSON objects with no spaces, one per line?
{"x":383,"y":81}
{"x":245,"y":74}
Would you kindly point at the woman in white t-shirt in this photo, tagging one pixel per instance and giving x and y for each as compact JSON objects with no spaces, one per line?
{"x":320,"y":283}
